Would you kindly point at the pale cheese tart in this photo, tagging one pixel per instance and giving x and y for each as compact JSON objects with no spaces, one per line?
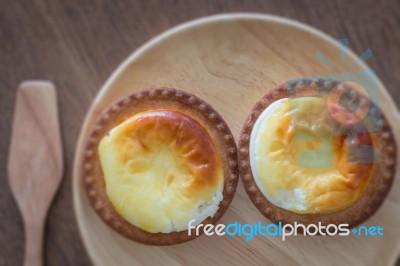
{"x":307,"y":157}
{"x":160,"y":159}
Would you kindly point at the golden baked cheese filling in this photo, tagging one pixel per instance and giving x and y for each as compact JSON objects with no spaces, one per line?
{"x":304,"y":161}
{"x":161,"y":170}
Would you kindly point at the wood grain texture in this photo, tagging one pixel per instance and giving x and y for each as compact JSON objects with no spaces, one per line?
{"x":77,"y":44}
{"x":35,"y":161}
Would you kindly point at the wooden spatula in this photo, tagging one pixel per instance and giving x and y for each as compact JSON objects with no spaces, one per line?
{"x":35,"y":161}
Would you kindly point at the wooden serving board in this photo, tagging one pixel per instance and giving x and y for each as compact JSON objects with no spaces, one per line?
{"x":230,"y":61}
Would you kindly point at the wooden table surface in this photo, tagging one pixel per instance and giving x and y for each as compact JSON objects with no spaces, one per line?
{"x":77,"y":44}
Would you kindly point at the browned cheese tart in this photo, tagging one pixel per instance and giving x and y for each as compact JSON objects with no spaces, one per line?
{"x":155,"y":161}
{"x":317,"y":150}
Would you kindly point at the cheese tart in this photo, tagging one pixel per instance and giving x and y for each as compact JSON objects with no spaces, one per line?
{"x":317,"y":150}
{"x":157,"y":160}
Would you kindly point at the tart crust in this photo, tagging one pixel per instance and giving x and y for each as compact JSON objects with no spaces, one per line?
{"x":151,"y":99}
{"x":382,"y":174}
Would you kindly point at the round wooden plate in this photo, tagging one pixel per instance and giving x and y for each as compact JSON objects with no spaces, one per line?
{"x":230,"y":61}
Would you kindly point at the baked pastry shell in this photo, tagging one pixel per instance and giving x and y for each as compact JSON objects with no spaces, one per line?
{"x":382,"y":175}
{"x":151,"y":99}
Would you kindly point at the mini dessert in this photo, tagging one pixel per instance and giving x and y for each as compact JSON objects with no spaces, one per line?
{"x":308,"y":154}
{"x":157,"y":160}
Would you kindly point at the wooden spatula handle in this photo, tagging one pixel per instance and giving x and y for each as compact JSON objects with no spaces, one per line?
{"x":34,"y":244}
{"x":35,"y":161}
